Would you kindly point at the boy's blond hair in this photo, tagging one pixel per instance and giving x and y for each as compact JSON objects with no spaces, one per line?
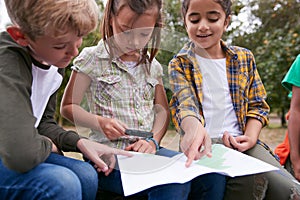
{"x":53,"y":17}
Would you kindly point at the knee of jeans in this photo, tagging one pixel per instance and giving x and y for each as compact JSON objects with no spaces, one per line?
{"x":86,"y":172}
{"x":59,"y":182}
{"x":66,"y":180}
{"x":219,"y":182}
{"x":210,"y":180}
{"x":170,"y":191}
{"x":260,"y":186}
{"x":217,"y":178}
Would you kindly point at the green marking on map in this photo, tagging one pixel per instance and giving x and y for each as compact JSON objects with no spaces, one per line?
{"x":217,"y":159}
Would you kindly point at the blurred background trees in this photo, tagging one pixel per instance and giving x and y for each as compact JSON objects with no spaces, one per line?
{"x":275,"y":44}
{"x":269,"y":28}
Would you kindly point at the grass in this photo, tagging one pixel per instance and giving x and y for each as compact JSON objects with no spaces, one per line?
{"x":272,"y":135}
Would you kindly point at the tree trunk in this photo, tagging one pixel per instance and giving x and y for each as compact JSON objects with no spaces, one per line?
{"x":283,"y":120}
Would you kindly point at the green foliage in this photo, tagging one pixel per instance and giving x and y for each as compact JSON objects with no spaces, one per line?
{"x":275,"y":45}
{"x":173,"y":38}
{"x":173,"y":35}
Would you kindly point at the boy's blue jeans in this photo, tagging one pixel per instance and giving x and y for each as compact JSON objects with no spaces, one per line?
{"x":209,"y":186}
{"x":58,"y":178}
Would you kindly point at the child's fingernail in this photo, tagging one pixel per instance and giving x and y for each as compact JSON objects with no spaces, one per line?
{"x":105,"y":169}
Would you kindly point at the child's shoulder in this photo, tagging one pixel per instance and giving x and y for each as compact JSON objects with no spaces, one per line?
{"x":239,"y":48}
{"x":240,"y":51}
{"x":155,"y":63}
{"x":156,"y":68}
{"x":98,"y":50}
{"x":183,"y":53}
{"x":6,"y":42}
{"x":89,"y":50}
{"x":10,"y":50}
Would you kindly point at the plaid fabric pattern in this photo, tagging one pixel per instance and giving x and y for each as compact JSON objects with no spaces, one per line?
{"x":246,"y":88}
{"x":268,"y":149}
{"x":115,"y":93}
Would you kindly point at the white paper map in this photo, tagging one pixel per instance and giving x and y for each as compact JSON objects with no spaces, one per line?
{"x":143,"y":171}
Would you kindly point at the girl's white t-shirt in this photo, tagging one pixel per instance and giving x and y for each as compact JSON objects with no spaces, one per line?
{"x":217,"y":105}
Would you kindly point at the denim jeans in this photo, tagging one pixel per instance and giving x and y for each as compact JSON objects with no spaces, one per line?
{"x":57,"y":178}
{"x":208,"y":186}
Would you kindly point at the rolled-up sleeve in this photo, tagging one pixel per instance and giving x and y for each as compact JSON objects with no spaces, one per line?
{"x":184,"y":101}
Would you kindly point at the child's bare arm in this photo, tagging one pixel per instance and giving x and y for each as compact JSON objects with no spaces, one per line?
{"x":246,"y":141}
{"x":71,"y":109}
{"x":196,"y":141}
{"x":294,"y":131}
{"x":162,"y":114}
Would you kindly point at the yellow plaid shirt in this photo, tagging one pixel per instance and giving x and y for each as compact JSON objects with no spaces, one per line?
{"x":246,"y":88}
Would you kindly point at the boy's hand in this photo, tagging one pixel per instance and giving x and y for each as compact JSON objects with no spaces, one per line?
{"x":112,"y":128}
{"x":195,"y":145}
{"x":142,"y":146}
{"x":109,"y":160}
{"x":94,"y":151}
{"x":54,"y":148}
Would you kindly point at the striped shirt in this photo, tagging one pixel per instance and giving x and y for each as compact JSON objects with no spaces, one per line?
{"x":116,"y":93}
{"x":246,"y":88}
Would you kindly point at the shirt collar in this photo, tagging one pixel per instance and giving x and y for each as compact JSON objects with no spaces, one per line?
{"x":40,"y":65}
{"x":188,"y":50}
{"x":103,"y":54}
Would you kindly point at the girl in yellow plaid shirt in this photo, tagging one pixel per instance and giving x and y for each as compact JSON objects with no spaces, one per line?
{"x":218,"y":94}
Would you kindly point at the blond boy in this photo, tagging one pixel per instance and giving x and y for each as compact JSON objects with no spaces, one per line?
{"x":42,"y":40}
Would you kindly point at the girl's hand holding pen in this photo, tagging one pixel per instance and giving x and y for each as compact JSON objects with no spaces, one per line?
{"x":112,"y":128}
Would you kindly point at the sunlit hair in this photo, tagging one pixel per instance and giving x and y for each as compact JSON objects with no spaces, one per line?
{"x":138,"y":6}
{"x":226,"y":5}
{"x":53,"y":17}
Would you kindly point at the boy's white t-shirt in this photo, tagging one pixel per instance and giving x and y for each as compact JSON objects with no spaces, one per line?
{"x":45,"y":83}
{"x":217,"y":105}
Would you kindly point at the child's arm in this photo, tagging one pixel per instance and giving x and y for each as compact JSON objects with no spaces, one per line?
{"x":186,"y":110}
{"x":246,"y":141}
{"x":257,"y":106}
{"x":195,"y":137}
{"x":162,"y":112}
{"x":21,"y":146}
{"x":256,"y":111}
{"x":253,"y":107}
{"x":100,"y":154}
{"x":294,"y":131}
{"x":71,"y":109}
